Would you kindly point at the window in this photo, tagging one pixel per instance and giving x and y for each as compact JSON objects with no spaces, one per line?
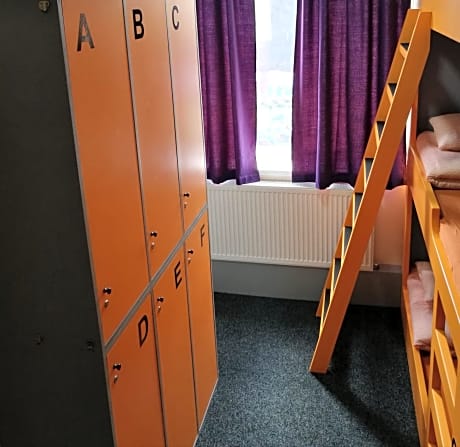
{"x":275,"y":37}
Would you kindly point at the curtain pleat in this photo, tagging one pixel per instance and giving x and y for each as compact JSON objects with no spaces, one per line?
{"x":226,"y":32}
{"x":342,"y":56}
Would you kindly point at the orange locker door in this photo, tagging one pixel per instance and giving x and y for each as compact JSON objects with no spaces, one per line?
{"x":173,"y":335}
{"x":150,"y":75}
{"x":101,"y":102}
{"x":134,"y":385}
{"x":201,"y":304}
{"x":187,"y":105}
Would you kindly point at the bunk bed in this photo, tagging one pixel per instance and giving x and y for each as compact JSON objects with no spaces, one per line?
{"x":431,"y":271}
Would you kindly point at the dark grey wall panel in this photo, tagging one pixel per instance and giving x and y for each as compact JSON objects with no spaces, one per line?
{"x":439,"y":91}
{"x":52,"y":383}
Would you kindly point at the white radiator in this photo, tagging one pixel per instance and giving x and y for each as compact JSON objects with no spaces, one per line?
{"x":287,"y":225}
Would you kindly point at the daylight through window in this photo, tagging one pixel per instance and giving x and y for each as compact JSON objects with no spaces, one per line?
{"x":275,"y":37}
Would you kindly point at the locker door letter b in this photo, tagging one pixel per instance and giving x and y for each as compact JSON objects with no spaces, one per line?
{"x":84,"y":34}
{"x":143,"y":329}
{"x":137,"y":24}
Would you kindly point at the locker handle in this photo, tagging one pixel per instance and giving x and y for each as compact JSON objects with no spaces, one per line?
{"x":107,"y":290}
{"x":186,"y":194}
{"x":117,"y":366}
{"x":154,"y":233}
{"x":160,"y":299}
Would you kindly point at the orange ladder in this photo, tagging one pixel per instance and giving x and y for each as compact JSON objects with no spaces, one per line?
{"x":387,"y":130}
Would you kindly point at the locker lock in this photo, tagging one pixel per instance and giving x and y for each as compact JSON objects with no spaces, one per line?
{"x":153,"y":234}
{"x":106,"y":291}
{"x":160,"y":299}
{"x":187,"y":195}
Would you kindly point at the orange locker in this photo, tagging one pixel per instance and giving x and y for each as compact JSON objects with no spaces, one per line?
{"x":94,"y":179}
{"x":175,"y":356}
{"x":187,"y":105}
{"x":95,"y":44}
{"x":201,"y":304}
{"x":134,"y":385}
{"x":153,"y":109}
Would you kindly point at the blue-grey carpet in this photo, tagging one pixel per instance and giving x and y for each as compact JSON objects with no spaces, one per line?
{"x":267,"y":398}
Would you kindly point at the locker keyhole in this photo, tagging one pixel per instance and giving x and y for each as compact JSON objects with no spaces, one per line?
{"x":44,"y":5}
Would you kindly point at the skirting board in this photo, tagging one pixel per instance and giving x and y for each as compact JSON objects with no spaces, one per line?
{"x":380,"y":287}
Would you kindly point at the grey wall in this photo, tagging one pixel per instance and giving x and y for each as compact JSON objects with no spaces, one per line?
{"x":378,"y":288}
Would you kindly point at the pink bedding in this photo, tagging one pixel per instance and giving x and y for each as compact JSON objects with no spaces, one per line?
{"x":442,"y":168}
{"x":449,"y":230}
{"x":421,"y":306}
{"x":421,"y":311}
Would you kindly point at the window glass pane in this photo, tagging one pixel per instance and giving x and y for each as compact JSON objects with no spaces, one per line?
{"x":275,"y":36}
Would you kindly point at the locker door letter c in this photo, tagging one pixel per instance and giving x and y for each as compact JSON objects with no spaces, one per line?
{"x":84,"y":34}
{"x":175,"y":11}
{"x":143,"y":329}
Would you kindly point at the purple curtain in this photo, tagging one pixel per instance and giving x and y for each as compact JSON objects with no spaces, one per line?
{"x":342,"y":55}
{"x":226,"y":33}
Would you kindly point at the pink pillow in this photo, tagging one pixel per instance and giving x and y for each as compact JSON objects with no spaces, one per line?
{"x":447,"y":131}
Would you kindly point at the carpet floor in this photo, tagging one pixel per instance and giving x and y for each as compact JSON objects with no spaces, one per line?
{"x":266,"y":397}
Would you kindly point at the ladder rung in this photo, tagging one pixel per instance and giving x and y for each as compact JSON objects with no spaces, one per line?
{"x":337,"y":265}
{"x":368,"y":166}
{"x":358,"y":196}
{"x":405,"y":46}
{"x":327,"y":301}
{"x":392,"y":86}
{"x":380,"y":126}
{"x":346,"y":237}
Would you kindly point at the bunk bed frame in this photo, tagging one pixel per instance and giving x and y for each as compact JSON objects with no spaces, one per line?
{"x":435,"y":375}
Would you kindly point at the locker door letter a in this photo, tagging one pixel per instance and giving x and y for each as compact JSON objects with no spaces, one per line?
{"x":84,"y":34}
